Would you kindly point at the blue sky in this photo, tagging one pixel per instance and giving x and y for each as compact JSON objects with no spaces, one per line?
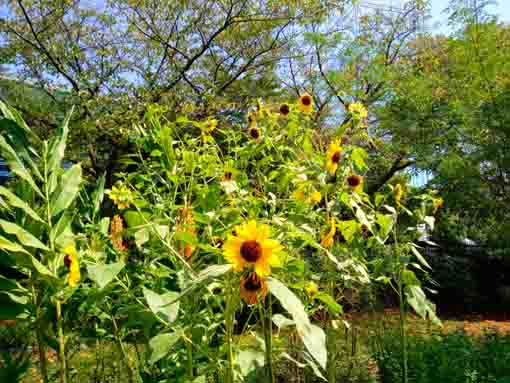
{"x":439,"y":19}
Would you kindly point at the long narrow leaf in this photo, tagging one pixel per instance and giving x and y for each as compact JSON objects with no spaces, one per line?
{"x":68,"y":190}
{"x":17,"y":202}
{"x":7,"y":245}
{"x":16,"y":165}
{"x":13,"y":114}
{"x":25,"y":238}
{"x":58,"y":144}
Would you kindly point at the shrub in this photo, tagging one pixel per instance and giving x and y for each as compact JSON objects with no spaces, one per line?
{"x":451,"y":358}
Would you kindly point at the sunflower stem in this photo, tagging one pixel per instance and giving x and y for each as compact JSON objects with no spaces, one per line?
{"x":268,"y":339}
{"x":43,"y":363}
{"x":229,"y":324}
{"x":61,"y":344}
{"x":189,"y":352}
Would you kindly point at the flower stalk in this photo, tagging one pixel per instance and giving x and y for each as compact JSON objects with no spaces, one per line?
{"x":268,"y":338}
{"x":61,"y":344}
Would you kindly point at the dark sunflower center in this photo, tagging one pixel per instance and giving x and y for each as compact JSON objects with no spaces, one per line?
{"x":336,"y":157}
{"x":253,"y":283}
{"x":254,"y":133}
{"x":67,"y":261}
{"x":364,"y":229}
{"x":284,"y":109}
{"x":251,"y":250}
{"x":306,"y":100}
{"x":353,"y":180}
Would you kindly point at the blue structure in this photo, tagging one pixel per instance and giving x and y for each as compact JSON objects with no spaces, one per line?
{"x":5,"y":174}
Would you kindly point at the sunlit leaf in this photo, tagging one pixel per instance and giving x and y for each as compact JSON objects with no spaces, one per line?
{"x":25,"y":238}
{"x":313,"y":337}
{"x":15,"y":201}
{"x":68,"y":189}
{"x":165,"y":306}
{"x":161,"y":345}
{"x":104,"y":274}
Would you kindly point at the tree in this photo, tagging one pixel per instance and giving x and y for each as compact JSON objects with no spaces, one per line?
{"x":449,"y":115}
{"x":113,"y":58}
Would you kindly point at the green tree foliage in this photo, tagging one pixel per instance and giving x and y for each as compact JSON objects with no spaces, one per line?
{"x":113,"y":58}
{"x":449,"y":115}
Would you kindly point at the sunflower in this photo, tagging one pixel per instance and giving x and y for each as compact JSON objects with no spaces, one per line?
{"x":438,"y":204}
{"x":121,"y":196}
{"x":71,"y":262}
{"x":315,"y":197}
{"x":185,"y":223}
{"x":364,"y":230}
{"x":227,"y":175}
{"x":284,"y":110}
{"x":116,"y":231}
{"x":254,"y":132}
{"x":252,"y":288}
{"x":358,"y":109}
{"x":210,"y":125}
{"x":249,"y":246}
{"x":305,"y":103}
{"x":333,"y":156}
{"x":311,"y":289}
{"x":354,"y":181}
{"x":252,"y":119}
{"x":299,"y":195}
{"x":329,"y":238}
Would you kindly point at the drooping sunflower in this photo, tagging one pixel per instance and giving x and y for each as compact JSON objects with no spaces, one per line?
{"x":210,"y":125}
{"x":305,"y":103}
{"x":71,"y":262}
{"x":251,"y":246}
{"x":438,"y":204}
{"x":284,"y":110}
{"x":116,"y":234}
{"x":398,"y":192}
{"x":329,"y":238}
{"x":186,"y":223}
{"x":311,"y":289}
{"x":299,"y":195}
{"x":365,"y":233}
{"x":355,"y":181}
{"x":315,"y":197}
{"x":252,"y":288}
{"x":227,"y":175}
{"x":254,"y":132}
{"x":333,"y":156}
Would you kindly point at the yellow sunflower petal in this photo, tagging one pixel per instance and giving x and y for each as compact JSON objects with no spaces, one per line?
{"x":262,"y":269}
{"x":262,"y":233}
{"x":331,"y":167}
{"x":237,"y":262}
{"x":247,"y":231}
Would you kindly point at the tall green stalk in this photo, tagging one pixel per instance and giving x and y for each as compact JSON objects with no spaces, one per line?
{"x":189,"y":355}
{"x":402,"y":316}
{"x":267,"y":319}
{"x":403,"y":332}
{"x":331,"y":342}
{"x":229,"y":327}
{"x":43,"y":362}
{"x":123,"y":353}
{"x":61,"y":344}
